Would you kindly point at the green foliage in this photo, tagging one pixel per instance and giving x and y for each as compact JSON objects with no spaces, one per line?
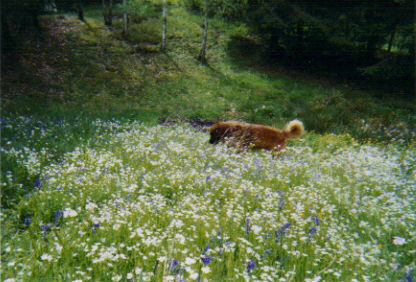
{"x":229,"y":9}
{"x":104,"y":73}
{"x":163,"y":194}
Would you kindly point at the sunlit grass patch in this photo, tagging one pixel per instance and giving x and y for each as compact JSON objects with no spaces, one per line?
{"x":158,"y":203}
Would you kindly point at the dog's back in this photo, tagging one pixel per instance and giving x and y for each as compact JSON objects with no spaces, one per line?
{"x":222,"y":130}
{"x":254,"y":135}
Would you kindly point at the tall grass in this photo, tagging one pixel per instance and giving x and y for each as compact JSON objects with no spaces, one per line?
{"x":161,"y":204}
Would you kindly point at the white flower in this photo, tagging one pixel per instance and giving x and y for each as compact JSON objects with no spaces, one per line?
{"x":315,"y":279}
{"x":129,"y":275}
{"x":46,"y":257}
{"x":58,"y":248}
{"x":190,"y":261}
{"x":90,"y":206}
{"x":68,"y":212}
{"x":9,"y":280}
{"x":256,"y":229}
{"x":193,"y":275}
{"x":117,"y":278}
{"x":206,"y":269}
{"x":399,"y":241}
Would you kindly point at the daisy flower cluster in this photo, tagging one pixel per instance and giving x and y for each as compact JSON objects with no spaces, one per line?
{"x":158,"y":203}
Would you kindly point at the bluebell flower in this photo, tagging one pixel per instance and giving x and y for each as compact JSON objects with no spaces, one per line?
{"x":316,"y":220}
{"x":247,"y":226}
{"x":45,"y":228}
{"x":281,"y":204}
{"x":27,"y":220}
{"x":174,"y":266}
{"x":205,"y":249}
{"x":208,"y":178}
{"x":281,"y":201}
{"x":313,"y":231}
{"x":37,"y":183}
{"x":408,"y":277}
{"x":250,"y":266}
{"x":95,"y":226}
{"x":282,"y":231}
{"x":206,"y":260}
{"x":58,"y":214}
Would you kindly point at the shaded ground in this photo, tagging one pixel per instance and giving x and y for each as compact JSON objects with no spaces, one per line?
{"x":249,"y":52}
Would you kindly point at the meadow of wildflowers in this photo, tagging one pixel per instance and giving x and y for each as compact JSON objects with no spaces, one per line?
{"x":158,"y":203}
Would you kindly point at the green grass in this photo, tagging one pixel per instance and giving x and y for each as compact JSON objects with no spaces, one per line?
{"x":101,"y":73}
{"x":132,"y":200}
{"x":79,"y":137}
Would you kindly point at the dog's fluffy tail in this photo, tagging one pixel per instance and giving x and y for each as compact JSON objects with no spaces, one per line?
{"x":294,"y":129}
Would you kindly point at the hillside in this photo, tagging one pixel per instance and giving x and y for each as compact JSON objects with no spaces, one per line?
{"x":94,"y":71}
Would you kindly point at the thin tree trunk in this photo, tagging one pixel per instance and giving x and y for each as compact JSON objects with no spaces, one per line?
{"x":108,"y":13}
{"x":202,"y":55}
{"x":164,"y":20}
{"x":393,"y":33}
{"x":125,"y":18}
{"x":80,"y":12}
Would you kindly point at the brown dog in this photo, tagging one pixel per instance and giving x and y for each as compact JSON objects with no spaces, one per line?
{"x":246,"y":135}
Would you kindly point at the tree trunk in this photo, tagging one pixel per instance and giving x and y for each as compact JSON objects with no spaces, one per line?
{"x":108,"y":12}
{"x":202,"y":55}
{"x":125,"y":19}
{"x":80,"y":11}
{"x":393,"y":33}
{"x":163,"y":45}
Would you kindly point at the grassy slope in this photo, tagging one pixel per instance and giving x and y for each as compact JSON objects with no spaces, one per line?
{"x":96,"y":72}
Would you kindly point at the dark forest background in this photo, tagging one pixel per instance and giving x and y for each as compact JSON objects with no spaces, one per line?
{"x":371,"y":40}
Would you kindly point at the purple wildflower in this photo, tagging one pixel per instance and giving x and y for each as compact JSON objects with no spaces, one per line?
{"x":316,"y":220}
{"x":58,"y":214}
{"x":205,"y":249}
{"x":174,"y":266}
{"x":313,"y":231}
{"x":95,"y":226}
{"x":247,"y":226}
{"x":281,"y":201}
{"x":37,"y":183}
{"x":206,"y":260}
{"x":281,"y":204}
{"x":251,"y":264}
{"x":282,"y":231}
{"x":408,"y":277}
{"x":45,"y":228}
{"x":27,"y":220}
